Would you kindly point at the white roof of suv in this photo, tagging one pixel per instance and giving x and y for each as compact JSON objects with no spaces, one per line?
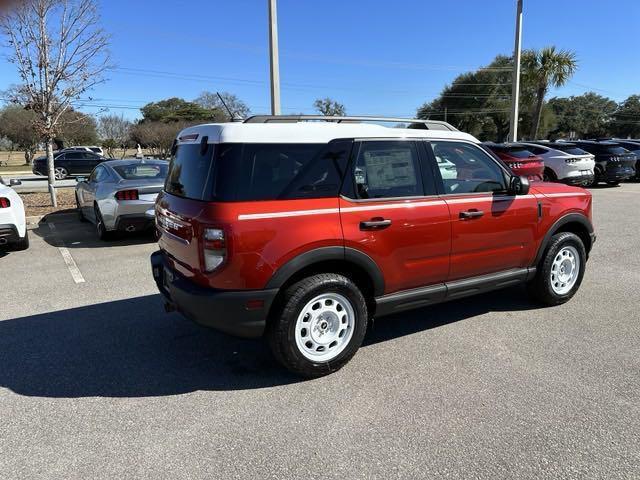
{"x":306,"y":132}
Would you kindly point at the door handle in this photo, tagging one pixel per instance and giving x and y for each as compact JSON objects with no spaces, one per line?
{"x":375,"y":224}
{"x":471,"y":214}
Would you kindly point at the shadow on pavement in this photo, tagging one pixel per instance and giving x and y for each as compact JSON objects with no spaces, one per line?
{"x":131,"y":348}
{"x":77,"y":234}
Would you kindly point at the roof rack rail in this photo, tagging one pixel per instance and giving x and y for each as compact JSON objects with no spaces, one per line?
{"x":413,"y":122}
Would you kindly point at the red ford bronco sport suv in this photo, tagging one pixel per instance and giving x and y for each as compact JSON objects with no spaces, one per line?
{"x":304,"y":231}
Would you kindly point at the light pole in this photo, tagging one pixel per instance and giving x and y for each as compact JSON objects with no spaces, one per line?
{"x":515,"y":90}
{"x":273,"y":57}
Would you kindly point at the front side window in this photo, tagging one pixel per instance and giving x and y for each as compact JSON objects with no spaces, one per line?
{"x":465,"y":168}
{"x":387,"y":169}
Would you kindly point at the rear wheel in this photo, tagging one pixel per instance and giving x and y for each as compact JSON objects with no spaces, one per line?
{"x":81,"y":216}
{"x":549,"y":175}
{"x":60,"y":173}
{"x":101,"y":230}
{"x":560,"y":271}
{"x":319,"y":326}
{"x":23,"y":243}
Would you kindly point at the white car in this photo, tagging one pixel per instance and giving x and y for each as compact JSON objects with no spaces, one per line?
{"x":13,"y":225}
{"x":564,"y":162}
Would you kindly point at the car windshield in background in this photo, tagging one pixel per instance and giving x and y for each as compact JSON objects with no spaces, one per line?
{"x":140,"y":171}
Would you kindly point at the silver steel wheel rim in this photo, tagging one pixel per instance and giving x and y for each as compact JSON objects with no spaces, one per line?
{"x":565,"y":270}
{"x":60,"y":173}
{"x":324,"y":327}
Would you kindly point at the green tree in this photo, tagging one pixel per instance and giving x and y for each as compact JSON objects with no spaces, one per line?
{"x":329,"y":107}
{"x":542,"y":69}
{"x":78,"y":129}
{"x":18,"y":125}
{"x":179,"y":110}
{"x":626,"y":119}
{"x":211,"y":101}
{"x":585,"y":116}
{"x":477,"y":102}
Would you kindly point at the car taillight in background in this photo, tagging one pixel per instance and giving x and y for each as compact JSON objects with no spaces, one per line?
{"x":515,"y":164}
{"x":4,"y":202}
{"x":215,"y":248}
{"x":127,"y":195}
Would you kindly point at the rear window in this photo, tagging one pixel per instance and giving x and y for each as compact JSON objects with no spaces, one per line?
{"x":612,"y":149}
{"x":571,"y":149}
{"x":142,"y":171}
{"x":518,"y":152}
{"x":258,"y":171}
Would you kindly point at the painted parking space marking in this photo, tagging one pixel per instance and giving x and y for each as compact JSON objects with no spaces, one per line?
{"x":75,"y":272}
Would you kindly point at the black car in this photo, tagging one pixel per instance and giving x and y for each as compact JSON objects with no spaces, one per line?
{"x":69,"y":163}
{"x":614,"y":163}
{"x":633,"y":145}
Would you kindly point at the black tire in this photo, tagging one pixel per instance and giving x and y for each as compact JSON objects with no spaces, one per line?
{"x":282,"y":324}
{"x":102,"y":232}
{"x":81,"y":216}
{"x":23,"y":243}
{"x":549,"y":175}
{"x":540,"y":287}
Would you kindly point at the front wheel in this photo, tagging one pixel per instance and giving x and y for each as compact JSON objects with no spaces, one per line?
{"x":319,"y":326}
{"x":560,"y":271}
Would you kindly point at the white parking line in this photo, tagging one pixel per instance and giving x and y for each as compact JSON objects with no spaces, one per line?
{"x":75,"y":272}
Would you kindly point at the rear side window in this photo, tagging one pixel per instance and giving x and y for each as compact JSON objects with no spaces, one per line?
{"x":190,"y":171}
{"x":258,"y":171}
{"x":290,"y":171}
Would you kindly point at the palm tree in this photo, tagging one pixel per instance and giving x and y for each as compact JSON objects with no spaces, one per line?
{"x":542,"y":69}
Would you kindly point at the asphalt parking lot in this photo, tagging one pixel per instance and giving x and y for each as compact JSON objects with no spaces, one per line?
{"x":96,"y":381}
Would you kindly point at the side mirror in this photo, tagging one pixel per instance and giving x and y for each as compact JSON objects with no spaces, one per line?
{"x":14,"y":181}
{"x":81,"y":179}
{"x":518,"y":185}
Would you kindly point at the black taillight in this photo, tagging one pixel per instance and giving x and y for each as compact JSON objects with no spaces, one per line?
{"x":4,"y":202}
{"x":127,"y":195}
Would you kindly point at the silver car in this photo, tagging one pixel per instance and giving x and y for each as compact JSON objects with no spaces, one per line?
{"x":119,"y":196}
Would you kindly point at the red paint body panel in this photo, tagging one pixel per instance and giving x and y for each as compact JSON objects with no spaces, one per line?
{"x":426,"y":243}
{"x":414,"y":250}
{"x":531,"y":168}
{"x":505,"y":237}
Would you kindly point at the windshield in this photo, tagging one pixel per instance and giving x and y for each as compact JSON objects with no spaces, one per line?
{"x":142,"y":171}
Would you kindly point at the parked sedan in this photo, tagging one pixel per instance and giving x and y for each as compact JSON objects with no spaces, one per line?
{"x":120,"y":195}
{"x":571,"y":165}
{"x":69,"y":163}
{"x":519,"y":159}
{"x":613,"y":162}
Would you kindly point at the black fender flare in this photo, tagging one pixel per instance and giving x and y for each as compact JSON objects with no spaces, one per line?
{"x":344,"y":254}
{"x":569,"y":218}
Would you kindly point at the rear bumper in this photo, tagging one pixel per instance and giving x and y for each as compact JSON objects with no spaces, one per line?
{"x":134,"y":222}
{"x":617,"y":172}
{"x":8,"y":234}
{"x":579,"y":178}
{"x":228,"y":311}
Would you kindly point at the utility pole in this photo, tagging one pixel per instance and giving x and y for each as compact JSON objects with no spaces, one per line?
{"x":515,"y":90}
{"x":273,"y":57}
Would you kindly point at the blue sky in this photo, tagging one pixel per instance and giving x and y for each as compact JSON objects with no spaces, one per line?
{"x":377,"y":57}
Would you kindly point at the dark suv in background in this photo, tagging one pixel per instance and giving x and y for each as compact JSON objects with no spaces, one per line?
{"x":613,"y":162}
{"x":69,"y":163}
{"x":633,"y":145}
